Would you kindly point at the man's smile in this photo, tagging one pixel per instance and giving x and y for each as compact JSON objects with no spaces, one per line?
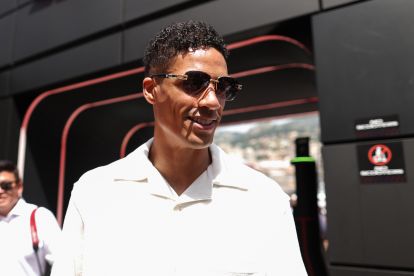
{"x":203,"y":121}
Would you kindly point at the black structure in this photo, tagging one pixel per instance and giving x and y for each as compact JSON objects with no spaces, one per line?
{"x":306,"y":211}
{"x":365,"y":84}
{"x":70,"y":74}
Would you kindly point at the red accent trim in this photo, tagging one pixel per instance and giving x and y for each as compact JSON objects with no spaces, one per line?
{"x":33,"y":230}
{"x":65,"y":133}
{"x":267,"y":69}
{"x":129,"y":135}
{"x":271,"y":106}
{"x":264,"y":38}
{"x":67,"y":88}
{"x":23,"y":129}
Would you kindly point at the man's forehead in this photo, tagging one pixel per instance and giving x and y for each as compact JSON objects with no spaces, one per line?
{"x":6,"y":175}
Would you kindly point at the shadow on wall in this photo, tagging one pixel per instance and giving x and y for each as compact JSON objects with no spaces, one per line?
{"x":38,"y":5}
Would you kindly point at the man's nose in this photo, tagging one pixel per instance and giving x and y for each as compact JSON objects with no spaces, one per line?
{"x":209,"y":97}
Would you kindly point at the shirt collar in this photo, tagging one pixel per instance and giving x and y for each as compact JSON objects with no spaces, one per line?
{"x":226,"y":170}
{"x":135,"y":166}
{"x":222,"y":171}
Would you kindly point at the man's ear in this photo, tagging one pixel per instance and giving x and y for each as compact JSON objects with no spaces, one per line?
{"x":20,"y":188}
{"x":148,"y":85}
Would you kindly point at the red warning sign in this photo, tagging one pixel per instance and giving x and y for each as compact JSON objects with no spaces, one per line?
{"x":379,"y":155}
{"x":381,"y":162}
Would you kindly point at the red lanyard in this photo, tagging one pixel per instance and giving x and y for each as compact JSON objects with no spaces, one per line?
{"x":35,"y":239}
{"x":33,"y":230}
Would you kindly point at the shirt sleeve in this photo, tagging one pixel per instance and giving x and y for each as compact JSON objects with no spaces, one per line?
{"x":69,"y":259}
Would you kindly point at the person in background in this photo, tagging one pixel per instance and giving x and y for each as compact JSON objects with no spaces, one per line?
{"x":21,"y":253}
{"x":178,"y":205}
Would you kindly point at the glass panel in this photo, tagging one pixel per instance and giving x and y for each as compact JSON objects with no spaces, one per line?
{"x":269,"y":146}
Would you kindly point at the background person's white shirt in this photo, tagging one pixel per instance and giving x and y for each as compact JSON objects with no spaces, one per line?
{"x":17,"y":257}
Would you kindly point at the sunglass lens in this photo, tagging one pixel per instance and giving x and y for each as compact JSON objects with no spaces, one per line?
{"x":228,"y":87}
{"x":196,"y":82}
{"x":6,"y":185}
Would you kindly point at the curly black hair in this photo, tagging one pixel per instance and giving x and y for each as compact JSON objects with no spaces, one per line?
{"x":179,"y":38}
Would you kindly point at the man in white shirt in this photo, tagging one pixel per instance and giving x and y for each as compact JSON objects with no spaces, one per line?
{"x":17,"y":254}
{"x":178,"y":205}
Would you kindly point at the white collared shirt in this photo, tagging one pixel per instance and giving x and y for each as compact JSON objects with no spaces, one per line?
{"x":17,"y":257}
{"x":124,"y":219}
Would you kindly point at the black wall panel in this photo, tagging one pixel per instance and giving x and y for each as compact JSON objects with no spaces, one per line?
{"x":365,"y":65}
{"x":7,"y":6}
{"x":46,"y":24}
{"x":347,"y":271}
{"x":9,"y":124}
{"x":4,"y":83}
{"x":6,"y":37}
{"x":370,"y":224}
{"x":233,"y":17}
{"x":97,"y":55}
{"x":34,"y":188}
{"x":135,"y":9}
{"x":332,"y":3}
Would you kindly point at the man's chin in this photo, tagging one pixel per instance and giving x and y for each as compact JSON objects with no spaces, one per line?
{"x":198,"y":143}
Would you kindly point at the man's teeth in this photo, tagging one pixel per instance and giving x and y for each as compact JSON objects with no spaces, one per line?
{"x":202,"y":121}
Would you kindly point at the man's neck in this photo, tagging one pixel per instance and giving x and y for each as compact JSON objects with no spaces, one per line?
{"x":179,"y":166}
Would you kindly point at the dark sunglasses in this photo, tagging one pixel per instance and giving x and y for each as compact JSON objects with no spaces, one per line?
{"x":196,"y":82}
{"x":6,"y":185}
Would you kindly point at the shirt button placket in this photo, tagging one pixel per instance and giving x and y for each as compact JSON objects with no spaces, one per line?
{"x":176,"y":235}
